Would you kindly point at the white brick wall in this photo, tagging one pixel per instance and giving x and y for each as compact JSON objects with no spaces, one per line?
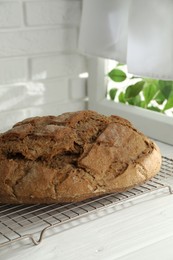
{"x":37,"y":41}
{"x":58,"y":12}
{"x":13,"y":70}
{"x":10,"y":14}
{"x":39,"y":60}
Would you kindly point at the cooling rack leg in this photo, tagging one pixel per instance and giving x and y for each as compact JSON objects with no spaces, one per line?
{"x":170,"y":189}
{"x":37,"y":242}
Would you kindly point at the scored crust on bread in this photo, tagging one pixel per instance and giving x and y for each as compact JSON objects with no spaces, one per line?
{"x":72,"y":157}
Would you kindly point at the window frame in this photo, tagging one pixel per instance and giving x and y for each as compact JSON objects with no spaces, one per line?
{"x":153,"y":124}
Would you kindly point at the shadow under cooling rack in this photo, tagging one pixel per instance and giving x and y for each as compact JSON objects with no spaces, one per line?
{"x":19,"y":222}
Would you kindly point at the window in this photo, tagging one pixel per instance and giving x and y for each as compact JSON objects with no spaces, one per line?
{"x":148,"y":93}
{"x":156,"y":125}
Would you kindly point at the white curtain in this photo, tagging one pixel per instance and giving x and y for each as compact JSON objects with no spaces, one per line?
{"x":136,"y":32}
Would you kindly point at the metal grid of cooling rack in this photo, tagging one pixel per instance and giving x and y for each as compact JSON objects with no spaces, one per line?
{"x":18,"y":222}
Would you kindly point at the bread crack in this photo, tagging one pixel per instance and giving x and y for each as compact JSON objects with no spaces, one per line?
{"x":142,"y":170}
{"x":15,"y":156}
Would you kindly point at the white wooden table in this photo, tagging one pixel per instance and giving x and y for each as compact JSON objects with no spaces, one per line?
{"x":142,"y":231}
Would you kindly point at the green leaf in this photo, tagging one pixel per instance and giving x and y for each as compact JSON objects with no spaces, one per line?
{"x":117,"y":75}
{"x":159,"y":98}
{"x":142,"y":104}
{"x":121,"y":98}
{"x":135,"y":101}
{"x":131,"y":101}
{"x":165,"y":87}
{"x":149,"y":92}
{"x":151,"y":81}
{"x":112,"y":93}
{"x":134,"y":90}
{"x":169,"y":103}
{"x":154,"y":109}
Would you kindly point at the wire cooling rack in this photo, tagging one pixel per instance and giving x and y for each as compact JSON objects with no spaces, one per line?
{"x":18,"y":222}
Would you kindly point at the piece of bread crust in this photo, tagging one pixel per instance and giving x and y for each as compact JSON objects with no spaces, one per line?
{"x":73,"y":157}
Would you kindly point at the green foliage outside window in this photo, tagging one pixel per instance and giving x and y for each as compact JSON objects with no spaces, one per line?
{"x":152,"y":94}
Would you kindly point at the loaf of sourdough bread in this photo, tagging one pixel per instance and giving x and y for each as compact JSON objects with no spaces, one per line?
{"x":72,"y":157}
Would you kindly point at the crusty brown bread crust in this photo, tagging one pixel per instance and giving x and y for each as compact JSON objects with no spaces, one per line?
{"x":72,"y":157}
